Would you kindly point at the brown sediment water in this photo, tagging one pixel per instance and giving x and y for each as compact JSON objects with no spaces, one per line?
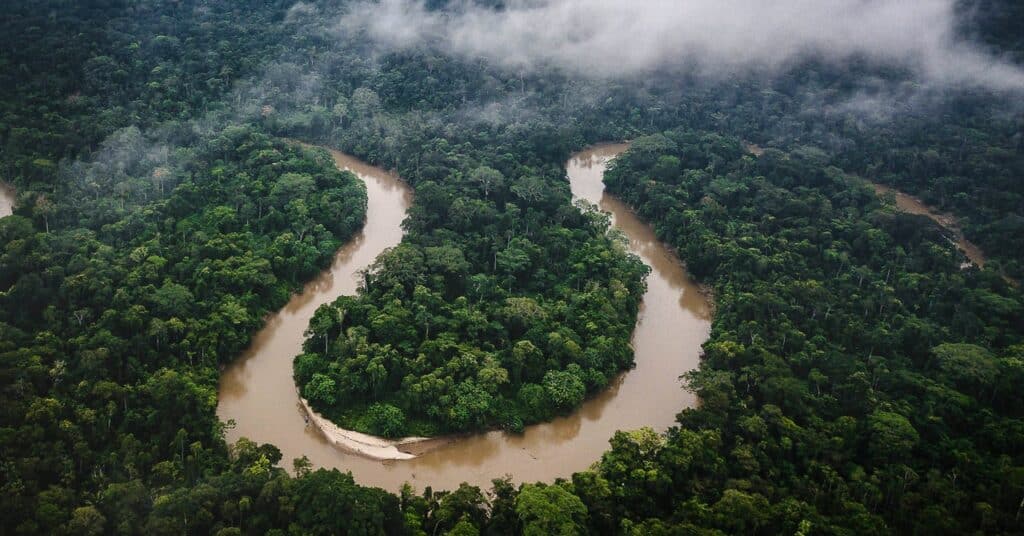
{"x":6,"y":200}
{"x":913,"y":205}
{"x":257,"y":391}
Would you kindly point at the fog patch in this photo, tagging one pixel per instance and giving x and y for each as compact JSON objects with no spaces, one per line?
{"x":128,"y":166}
{"x":300,"y":12}
{"x":612,"y":38}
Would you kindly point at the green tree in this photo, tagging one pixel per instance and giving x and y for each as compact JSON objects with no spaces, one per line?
{"x":86,"y":520}
{"x":545,"y":510}
{"x":385,"y":420}
{"x":320,"y":389}
{"x":892,"y":436}
{"x":563,"y":388}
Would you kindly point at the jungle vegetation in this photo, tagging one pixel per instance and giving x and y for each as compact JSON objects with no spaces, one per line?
{"x":856,"y":379}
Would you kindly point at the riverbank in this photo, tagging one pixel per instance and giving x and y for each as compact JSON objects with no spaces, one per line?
{"x":369,"y":446}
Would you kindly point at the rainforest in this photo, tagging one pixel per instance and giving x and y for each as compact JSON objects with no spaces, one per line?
{"x":512,"y":267}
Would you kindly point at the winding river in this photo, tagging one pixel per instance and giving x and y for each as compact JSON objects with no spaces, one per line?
{"x":258,"y":393}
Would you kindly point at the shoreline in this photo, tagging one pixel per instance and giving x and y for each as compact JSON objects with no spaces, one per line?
{"x":366,"y":445}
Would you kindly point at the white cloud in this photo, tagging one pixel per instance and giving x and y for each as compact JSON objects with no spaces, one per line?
{"x":622,"y":38}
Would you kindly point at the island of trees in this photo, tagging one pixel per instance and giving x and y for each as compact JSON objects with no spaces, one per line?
{"x":504,"y":305}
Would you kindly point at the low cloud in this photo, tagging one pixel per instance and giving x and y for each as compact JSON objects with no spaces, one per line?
{"x":615,"y":38}
{"x":300,"y":12}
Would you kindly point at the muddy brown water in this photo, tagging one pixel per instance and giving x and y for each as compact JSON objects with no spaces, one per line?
{"x":910,"y":204}
{"x":257,"y":390}
{"x":6,"y":200}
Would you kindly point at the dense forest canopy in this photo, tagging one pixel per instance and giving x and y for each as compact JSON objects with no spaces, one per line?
{"x":857,"y":379}
{"x":852,"y":357}
{"x":503,"y":306}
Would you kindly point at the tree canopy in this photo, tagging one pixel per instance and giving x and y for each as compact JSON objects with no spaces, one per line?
{"x":857,"y":380}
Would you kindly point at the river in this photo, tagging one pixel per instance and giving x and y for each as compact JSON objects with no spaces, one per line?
{"x":257,"y":390}
{"x":910,"y":204}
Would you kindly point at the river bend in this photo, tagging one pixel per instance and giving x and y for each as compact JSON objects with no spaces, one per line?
{"x":258,"y":392}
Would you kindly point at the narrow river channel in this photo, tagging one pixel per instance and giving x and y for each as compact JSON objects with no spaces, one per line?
{"x":910,"y":204}
{"x":257,"y":390}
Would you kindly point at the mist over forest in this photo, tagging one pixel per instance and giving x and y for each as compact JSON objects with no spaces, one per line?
{"x":606,"y":38}
{"x":840,"y":181}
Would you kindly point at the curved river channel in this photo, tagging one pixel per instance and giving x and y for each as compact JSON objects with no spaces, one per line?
{"x":258,"y":392}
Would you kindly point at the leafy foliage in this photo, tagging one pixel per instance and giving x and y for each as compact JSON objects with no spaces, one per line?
{"x":124,"y":340}
{"x":855,"y":377}
{"x":857,"y":381}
